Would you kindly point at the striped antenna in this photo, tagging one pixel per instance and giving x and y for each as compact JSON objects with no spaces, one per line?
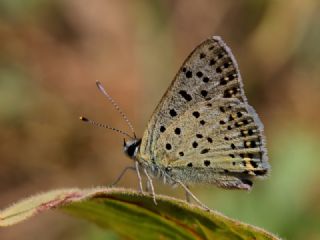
{"x":115,"y":105}
{"x":86,"y":120}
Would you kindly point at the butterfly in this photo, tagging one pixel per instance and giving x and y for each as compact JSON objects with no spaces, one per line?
{"x":203,"y":131}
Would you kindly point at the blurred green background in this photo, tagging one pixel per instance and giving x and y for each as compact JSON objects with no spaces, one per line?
{"x":51,"y":53}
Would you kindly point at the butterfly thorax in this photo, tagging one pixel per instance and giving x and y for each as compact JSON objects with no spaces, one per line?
{"x":131,"y":147}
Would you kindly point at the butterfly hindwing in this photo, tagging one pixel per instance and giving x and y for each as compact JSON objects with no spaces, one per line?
{"x":215,"y":141}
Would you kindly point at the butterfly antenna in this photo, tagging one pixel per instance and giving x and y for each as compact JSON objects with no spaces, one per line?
{"x":115,"y":105}
{"x":86,"y":120}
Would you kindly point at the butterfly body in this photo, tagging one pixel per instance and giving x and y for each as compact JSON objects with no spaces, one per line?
{"x":203,"y":130}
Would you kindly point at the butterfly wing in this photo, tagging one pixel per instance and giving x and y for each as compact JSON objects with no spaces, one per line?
{"x":203,"y":129}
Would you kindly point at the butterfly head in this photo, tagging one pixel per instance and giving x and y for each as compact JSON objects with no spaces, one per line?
{"x":131,"y":147}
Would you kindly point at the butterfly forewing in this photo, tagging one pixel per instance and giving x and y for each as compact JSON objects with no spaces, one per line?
{"x":203,"y":124}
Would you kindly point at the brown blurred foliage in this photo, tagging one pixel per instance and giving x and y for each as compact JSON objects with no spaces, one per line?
{"x":51,"y":53}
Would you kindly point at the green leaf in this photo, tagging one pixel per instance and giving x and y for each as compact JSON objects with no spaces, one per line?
{"x":135,"y":216}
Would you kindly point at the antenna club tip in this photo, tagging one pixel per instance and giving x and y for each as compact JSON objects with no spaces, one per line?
{"x":84,"y":119}
{"x":98,"y":83}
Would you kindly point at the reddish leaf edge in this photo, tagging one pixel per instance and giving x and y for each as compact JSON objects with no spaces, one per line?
{"x":61,"y":198}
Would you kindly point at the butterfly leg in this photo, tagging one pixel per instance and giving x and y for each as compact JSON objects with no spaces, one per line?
{"x":121,"y":175}
{"x":188,"y":195}
{"x":151,"y":186}
{"x":148,"y":187}
{"x":139,"y":177}
{"x":192,"y":195}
